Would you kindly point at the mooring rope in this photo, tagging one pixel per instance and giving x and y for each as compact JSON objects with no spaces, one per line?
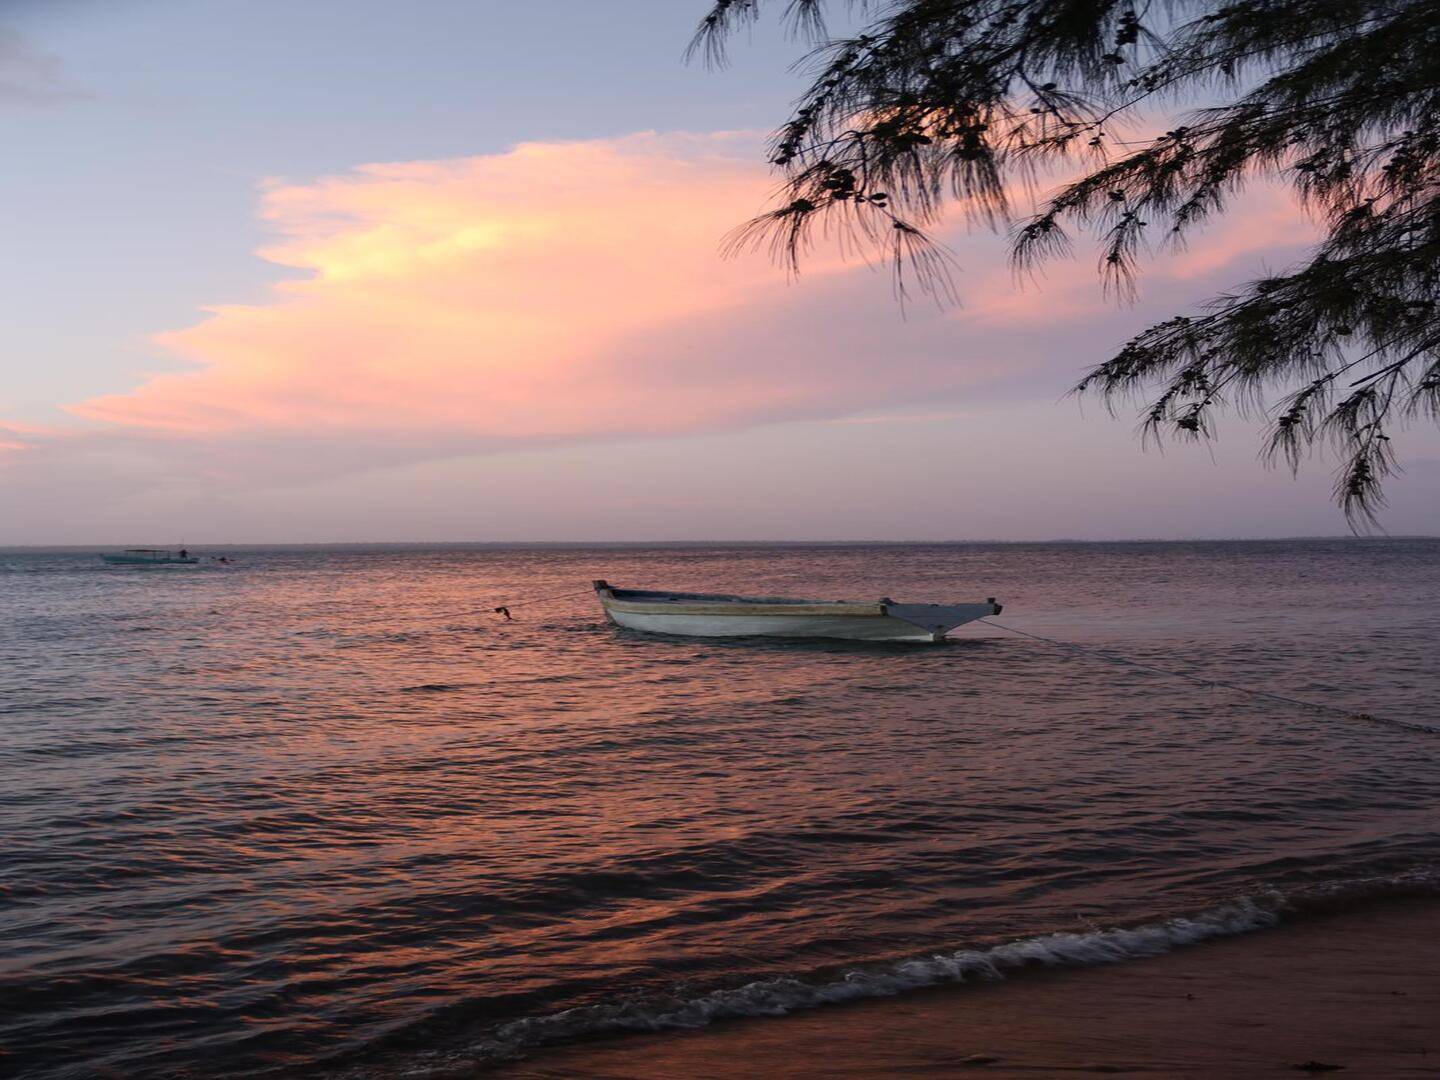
{"x":504,"y":609}
{"x":1125,"y":661}
{"x":1314,"y":706}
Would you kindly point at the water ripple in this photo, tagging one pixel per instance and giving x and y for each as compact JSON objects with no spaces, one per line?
{"x":314,"y":809}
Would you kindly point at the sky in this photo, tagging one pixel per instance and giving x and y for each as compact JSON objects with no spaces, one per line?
{"x":352,"y":270}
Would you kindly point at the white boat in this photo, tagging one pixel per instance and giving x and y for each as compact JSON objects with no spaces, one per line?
{"x":711,"y":615}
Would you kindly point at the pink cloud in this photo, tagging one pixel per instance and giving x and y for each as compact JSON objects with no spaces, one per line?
{"x":558,"y":290}
{"x":575,"y":291}
{"x":16,"y":438}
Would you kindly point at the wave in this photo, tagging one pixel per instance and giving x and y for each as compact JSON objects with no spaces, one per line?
{"x":779,"y":996}
{"x":782,"y":995}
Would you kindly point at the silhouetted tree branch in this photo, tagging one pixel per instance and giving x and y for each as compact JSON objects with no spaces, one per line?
{"x":945,"y":102}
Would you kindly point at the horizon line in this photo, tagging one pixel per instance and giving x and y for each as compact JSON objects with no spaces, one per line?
{"x":813,"y":542}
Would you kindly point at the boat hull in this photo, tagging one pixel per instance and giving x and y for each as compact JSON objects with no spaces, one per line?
{"x":853,"y":628}
{"x":690,"y":615}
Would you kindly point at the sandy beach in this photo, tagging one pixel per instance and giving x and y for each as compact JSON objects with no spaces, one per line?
{"x":1354,"y":993}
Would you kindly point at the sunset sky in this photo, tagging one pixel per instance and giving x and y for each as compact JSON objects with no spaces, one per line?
{"x":450,"y":270}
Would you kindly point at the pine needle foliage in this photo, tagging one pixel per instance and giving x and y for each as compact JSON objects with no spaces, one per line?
{"x":939,"y":103}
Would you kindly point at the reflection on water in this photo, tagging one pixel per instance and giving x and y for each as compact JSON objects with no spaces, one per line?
{"x":329,"y":806}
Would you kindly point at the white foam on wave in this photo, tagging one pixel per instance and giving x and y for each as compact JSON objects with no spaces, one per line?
{"x":776,"y":997}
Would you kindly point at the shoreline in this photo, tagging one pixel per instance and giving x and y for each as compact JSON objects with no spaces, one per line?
{"x":1358,"y":989}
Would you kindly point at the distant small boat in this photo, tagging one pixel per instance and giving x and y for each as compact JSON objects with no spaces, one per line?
{"x":151,"y":557}
{"x":711,"y":615}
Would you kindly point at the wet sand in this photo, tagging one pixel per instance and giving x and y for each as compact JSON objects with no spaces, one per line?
{"x":1358,"y":989}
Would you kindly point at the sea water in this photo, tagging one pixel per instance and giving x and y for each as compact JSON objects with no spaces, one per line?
{"x":325,"y":811}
